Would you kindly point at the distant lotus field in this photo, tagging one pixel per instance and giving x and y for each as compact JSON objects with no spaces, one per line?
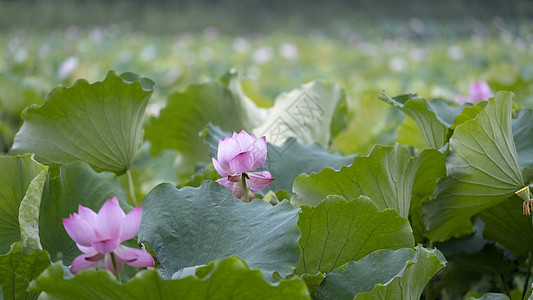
{"x":212,"y":166}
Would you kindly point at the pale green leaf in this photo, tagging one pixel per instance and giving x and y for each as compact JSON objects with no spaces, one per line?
{"x":305,"y":113}
{"x":17,"y":173}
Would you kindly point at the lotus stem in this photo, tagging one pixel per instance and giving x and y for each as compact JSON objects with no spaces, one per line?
{"x":131,"y":188}
{"x":115,"y":265}
{"x":245,"y":188}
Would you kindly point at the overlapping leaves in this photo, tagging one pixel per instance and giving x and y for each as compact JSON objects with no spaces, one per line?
{"x":339,"y":231}
{"x":386,"y":176}
{"x":482,"y":169}
{"x":194,"y":226}
{"x":229,"y":278}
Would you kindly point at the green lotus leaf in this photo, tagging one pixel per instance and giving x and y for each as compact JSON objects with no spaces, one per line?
{"x":339,"y":231}
{"x":194,"y":226}
{"x":482,"y":170}
{"x":21,"y":181}
{"x":383,"y":274}
{"x":99,"y":123}
{"x":387,"y":176}
{"x":229,"y":278}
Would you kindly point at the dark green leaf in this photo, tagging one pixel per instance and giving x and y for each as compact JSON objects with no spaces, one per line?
{"x":194,"y":226}
{"x":505,"y":224}
{"x":230,"y":278}
{"x":338,"y":231}
{"x":99,"y":123}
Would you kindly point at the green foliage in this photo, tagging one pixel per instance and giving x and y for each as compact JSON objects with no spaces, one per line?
{"x":75,"y":184}
{"x":22,"y":264}
{"x":383,"y":274}
{"x":434,"y":131}
{"x":482,"y":170}
{"x":21,"y":180}
{"x":194,"y":226}
{"x":287,"y":161}
{"x":99,"y":123}
{"x":339,"y":231}
{"x":229,"y":278}
{"x":386,"y":176}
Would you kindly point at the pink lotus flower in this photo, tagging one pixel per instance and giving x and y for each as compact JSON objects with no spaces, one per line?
{"x":99,"y":236}
{"x":479,"y":91}
{"x":237,"y":156}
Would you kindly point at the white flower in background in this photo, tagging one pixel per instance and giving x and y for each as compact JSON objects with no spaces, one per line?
{"x":241,"y":45}
{"x":153,"y":109}
{"x":96,"y":34}
{"x":397,"y":64}
{"x":44,"y":50}
{"x":455,"y":52}
{"x":148,"y":53}
{"x":67,"y":67}
{"x":289,"y":51}
{"x":211,"y":33}
{"x":21,"y":54}
{"x":263,"y":55}
{"x":72,"y":32}
{"x":417,"y":54}
{"x":207,"y":53}
{"x":417,"y":25}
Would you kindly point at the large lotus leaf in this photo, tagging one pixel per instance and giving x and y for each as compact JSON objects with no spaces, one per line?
{"x":522,"y":133}
{"x":339,"y":231}
{"x":99,"y":123}
{"x":22,"y":264}
{"x":482,"y":169}
{"x":505,"y":224}
{"x":287,"y":161}
{"x":16,"y":176}
{"x":194,"y":226}
{"x":76,"y":184}
{"x":434,"y":130}
{"x":383,"y":274}
{"x":230,"y":278}
{"x":305,"y":113}
{"x":386,"y":176}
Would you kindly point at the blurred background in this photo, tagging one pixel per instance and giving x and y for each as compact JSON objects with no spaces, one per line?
{"x":433,"y":48}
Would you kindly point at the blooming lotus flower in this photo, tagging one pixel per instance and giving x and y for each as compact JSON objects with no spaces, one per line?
{"x":236,"y":157}
{"x":479,"y":91}
{"x":99,"y":236}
